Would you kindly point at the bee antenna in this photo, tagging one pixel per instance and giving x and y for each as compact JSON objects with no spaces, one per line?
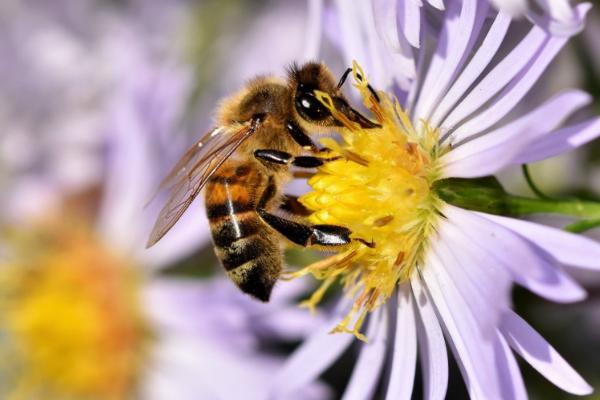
{"x":344,"y":77}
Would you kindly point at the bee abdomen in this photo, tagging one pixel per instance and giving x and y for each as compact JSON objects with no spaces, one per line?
{"x":228,"y":231}
{"x":227,"y":209}
{"x":253,"y":264}
{"x":252,"y":279}
{"x":241,"y":252}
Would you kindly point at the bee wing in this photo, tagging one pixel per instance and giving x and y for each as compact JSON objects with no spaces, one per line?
{"x":194,"y":169}
{"x":190,"y":157}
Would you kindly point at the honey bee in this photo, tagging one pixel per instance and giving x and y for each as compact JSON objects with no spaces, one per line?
{"x":246,"y":160}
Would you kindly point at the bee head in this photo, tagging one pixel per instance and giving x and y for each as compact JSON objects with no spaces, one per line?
{"x":313,"y":76}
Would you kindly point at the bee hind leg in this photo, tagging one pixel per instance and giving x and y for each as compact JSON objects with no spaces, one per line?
{"x":302,"y":234}
{"x":307,"y":235}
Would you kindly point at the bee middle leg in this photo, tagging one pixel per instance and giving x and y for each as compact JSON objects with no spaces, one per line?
{"x":283,"y":158}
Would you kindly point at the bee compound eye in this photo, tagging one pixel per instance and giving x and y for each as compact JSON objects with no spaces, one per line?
{"x":309,"y":107}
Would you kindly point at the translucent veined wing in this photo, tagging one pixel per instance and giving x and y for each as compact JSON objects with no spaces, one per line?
{"x":194,"y":169}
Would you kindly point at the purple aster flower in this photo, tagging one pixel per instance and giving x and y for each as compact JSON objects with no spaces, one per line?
{"x":441,"y":274}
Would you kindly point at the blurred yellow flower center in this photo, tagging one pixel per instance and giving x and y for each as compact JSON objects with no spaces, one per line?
{"x":71,"y":322}
{"x":380,"y":189}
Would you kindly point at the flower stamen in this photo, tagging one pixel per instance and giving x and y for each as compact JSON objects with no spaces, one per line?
{"x":379,"y":188}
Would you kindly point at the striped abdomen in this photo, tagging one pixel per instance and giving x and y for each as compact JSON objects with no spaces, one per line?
{"x":247,"y":248}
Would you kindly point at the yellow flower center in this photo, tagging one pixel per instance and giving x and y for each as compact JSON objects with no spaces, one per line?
{"x":71,"y":325}
{"x":380,"y":189}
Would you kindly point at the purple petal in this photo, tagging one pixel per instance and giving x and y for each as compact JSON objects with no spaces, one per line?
{"x":486,"y":281}
{"x":398,"y":53}
{"x":183,"y":365}
{"x":513,"y":93}
{"x":488,"y":153}
{"x":129,"y":160}
{"x":374,"y":48}
{"x":388,"y":20}
{"x":314,"y":26}
{"x":189,"y":234}
{"x":439,"y":4}
{"x":514,"y":8}
{"x":474,"y":68}
{"x":561,"y":20}
{"x":432,"y":346}
{"x":404,"y":356}
{"x":531,"y":267}
{"x":485,"y":155}
{"x":473,"y":351}
{"x":462,"y":24}
{"x":409,"y":16}
{"x":365,"y":33}
{"x":188,"y":368}
{"x":541,"y":356}
{"x":386,"y":65}
{"x":386,"y":15}
{"x":520,"y":69}
{"x":567,"y":248}
{"x":560,"y":141}
{"x":384,"y":12}
{"x":366,"y":372}
{"x":312,"y":358}
{"x":511,"y":380}
{"x":503,"y":72}
{"x":353,"y":43}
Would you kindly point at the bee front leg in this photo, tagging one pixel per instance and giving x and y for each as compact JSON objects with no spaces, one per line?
{"x":300,"y":137}
{"x":283,"y":158}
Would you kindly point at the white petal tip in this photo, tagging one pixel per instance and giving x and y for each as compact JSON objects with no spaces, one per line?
{"x":585,"y":390}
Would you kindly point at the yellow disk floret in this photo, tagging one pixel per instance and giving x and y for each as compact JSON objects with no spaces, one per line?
{"x":70,"y":320}
{"x":380,"y":189}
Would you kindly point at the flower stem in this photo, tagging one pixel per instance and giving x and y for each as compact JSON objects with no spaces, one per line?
{"x":487,"y":195}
